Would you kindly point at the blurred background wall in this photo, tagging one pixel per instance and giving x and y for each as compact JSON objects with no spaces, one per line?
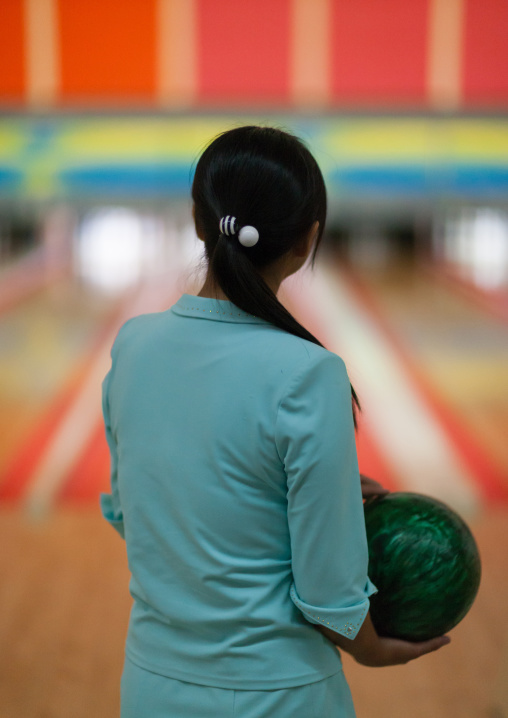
{"x":200,"y":54}
{"x":403,"y":102}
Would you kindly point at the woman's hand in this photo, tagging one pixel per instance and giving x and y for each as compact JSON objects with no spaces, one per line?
{"x":394,"y":652}
{"x":370,"y":649}
{"x":370,"y":487}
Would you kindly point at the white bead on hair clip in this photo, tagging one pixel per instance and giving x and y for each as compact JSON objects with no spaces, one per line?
{"x":248,"y":236}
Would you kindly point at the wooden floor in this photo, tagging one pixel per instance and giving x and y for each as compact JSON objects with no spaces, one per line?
{"x":64,"y":608}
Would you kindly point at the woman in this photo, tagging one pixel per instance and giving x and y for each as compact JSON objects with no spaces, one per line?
{"x":234,"y":473}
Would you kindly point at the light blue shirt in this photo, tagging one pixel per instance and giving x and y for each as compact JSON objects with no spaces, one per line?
{"x":235,"y":484}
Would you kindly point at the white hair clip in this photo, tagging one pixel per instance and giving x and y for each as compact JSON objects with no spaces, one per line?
{"x":248,"y":236}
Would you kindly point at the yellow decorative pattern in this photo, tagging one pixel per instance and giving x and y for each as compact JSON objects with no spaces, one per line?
{"x":56,"y":156}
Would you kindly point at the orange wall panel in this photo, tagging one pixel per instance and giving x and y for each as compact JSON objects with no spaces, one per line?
{"x":486,"y":52}
{"x":108,"y":50}
{"x":12,"y":51}
{"x":243,"y":51}
{"x":379,"y":51}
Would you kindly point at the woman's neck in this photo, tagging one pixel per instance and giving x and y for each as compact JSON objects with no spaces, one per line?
{"x":211,"y":290}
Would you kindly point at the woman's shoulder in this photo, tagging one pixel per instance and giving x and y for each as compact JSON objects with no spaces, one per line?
{"x":292,"y":352}
{"x":136,"y":328}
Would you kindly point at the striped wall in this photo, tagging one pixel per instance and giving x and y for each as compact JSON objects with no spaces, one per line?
{"x":431,"y":54}
{"x":145,"y":156}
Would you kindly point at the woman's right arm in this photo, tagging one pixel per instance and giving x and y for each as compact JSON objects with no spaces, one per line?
{"x":370,"y":649}
{"x":329,"y":555}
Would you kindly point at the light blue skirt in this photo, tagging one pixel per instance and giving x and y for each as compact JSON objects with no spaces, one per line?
{"x":150,"y":695}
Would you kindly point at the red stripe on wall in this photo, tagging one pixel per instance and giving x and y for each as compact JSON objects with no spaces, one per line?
{"x":12,"y":51}
{"x":379,"y":51}
{"x":243,"y":51}
{"x":108,"y":50}
{"x":486,"y":52}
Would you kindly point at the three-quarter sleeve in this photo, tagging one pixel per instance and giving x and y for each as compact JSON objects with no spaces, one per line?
{"x":110,"y":503}
{"x":315,"y":441}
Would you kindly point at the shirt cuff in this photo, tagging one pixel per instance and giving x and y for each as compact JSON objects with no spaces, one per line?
{"x":108,"y":511}
{"x":346,"y":620}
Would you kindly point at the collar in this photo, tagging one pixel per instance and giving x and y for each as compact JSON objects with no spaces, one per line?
{"x":219,"y":310}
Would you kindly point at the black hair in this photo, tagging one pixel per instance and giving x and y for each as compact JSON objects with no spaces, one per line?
{"x":266,"y":178}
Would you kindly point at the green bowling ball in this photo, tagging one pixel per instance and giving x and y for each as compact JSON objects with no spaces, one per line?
{"x":425,"y":563}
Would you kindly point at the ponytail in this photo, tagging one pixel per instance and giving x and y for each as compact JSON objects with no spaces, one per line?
{"x":244,"y":286}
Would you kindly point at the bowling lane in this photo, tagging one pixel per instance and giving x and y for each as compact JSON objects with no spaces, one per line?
{"x":55,"y":351}
{"x":55,"y":345}
{"x":458,"y":351}
{"x":46,"y":342}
